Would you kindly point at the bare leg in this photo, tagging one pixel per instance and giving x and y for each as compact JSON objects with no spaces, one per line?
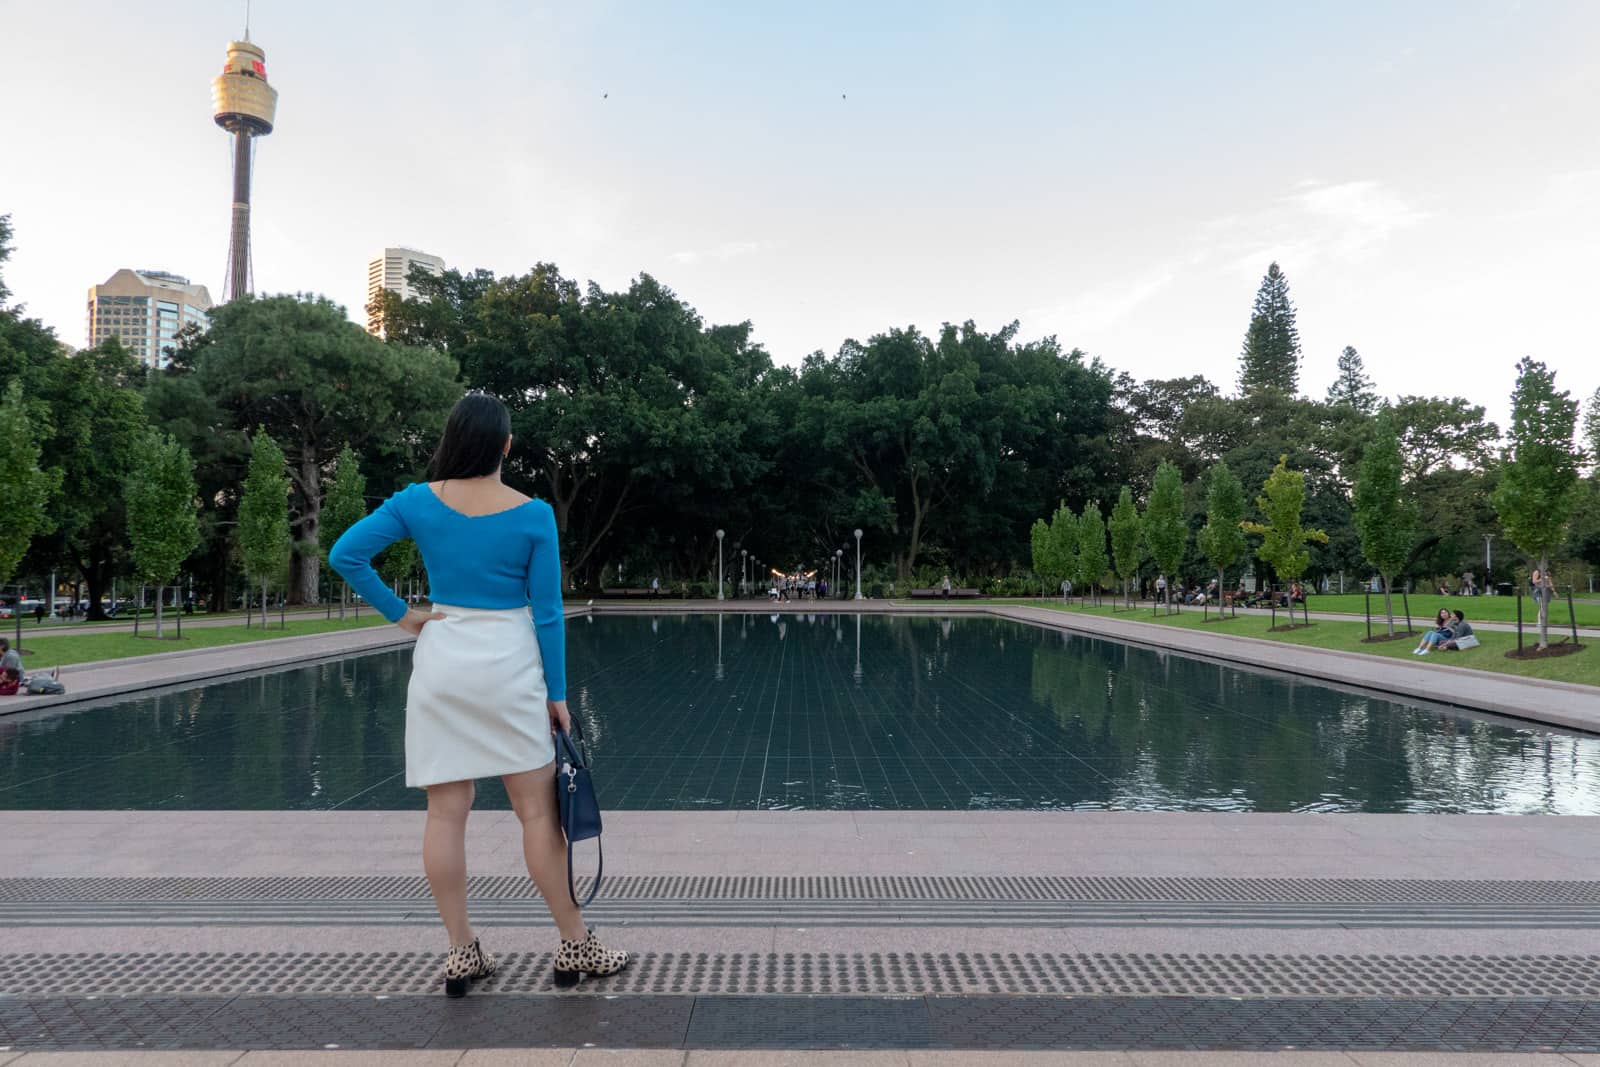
{"x":444,"y":855}
{"x":544,"y":847}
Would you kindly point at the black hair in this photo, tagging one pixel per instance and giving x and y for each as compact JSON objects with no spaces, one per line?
{"x":474,"y":439}
{"x":5,"y":646}
{"x":1461,"y":615}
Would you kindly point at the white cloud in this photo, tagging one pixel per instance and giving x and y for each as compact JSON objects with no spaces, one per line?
{"x":725,"y":251}
{"x":1344,"y":222}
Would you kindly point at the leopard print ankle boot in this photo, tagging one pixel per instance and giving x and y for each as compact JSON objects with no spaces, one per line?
{"x":464,"y":963}
{"x":577,"y":957}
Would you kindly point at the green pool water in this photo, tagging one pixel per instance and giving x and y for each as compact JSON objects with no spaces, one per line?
{"x":822,"y":711}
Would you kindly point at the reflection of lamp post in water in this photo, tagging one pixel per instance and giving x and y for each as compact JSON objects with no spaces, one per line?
{"x":857,"y":671}
{"x":719,"y":646}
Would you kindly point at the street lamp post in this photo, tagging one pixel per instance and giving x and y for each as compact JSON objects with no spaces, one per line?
{"x":858,"y":563}
{"x":720,"y":534}
{"x":838,"y":567}
{"x":744,"y":572}
{"x":1488,"y":560}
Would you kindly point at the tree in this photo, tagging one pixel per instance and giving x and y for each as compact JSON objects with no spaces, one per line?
{"x":161,"y":505}
{"x":1385,"y":519}
{"x":1539,"y":471}
{"x":1092,"y":562}
{"x":1270,"y":359}
{"x":1039,"y":546}
{"x":264,"y":516}
{"x":1352,"y":388}
{"x":346,"y":505}
{"x":24,"y":488}
{"x":1165,"y":530}
{"x":316,"y":381}
{"x":1063,"y":545}
{"x":1591,"y":430}
{"x":1127,"y":537}
{"x":1221,"y":541}
{"x":1283,"y":539}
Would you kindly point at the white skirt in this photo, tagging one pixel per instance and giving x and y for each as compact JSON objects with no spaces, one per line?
{"x":475,"y":707}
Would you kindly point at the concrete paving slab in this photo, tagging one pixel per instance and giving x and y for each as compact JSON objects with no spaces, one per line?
{"x":633,"y":1057}
{"x":1454,"y":1059}
{"x":759,"y":1058}
{"x":512,"y":1057}
{"x":348,"y":1058}
{"x":132,"y":1058}
{"x":1239,"y":1059}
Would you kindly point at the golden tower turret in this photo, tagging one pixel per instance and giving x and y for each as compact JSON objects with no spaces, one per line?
{"x":245,"y":105}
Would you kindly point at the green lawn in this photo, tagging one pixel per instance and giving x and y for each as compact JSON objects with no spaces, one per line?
{"x":1493,"y":608}
{"x":89,"y":647}
{"x":1583,"y":667}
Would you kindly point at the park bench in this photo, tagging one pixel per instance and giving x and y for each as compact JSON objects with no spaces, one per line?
{"x":936,"y":594}
{"x":630,"y":592}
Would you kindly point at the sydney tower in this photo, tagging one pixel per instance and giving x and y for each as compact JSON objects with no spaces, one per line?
{"x":243,"y":104}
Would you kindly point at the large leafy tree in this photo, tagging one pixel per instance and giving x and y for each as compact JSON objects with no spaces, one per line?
{"x":264,"y":516}
{"x":1270,"y":359}
{"x":161,"y":505}
{"x":1539,"y":473}
{"x":24,"y":488}
{"x":1127,"y":537}
{"x":315,"y":381}
{"x":1283,"y":538}
{"x":1385,"y":518}
{"x":1591,"y":430}
{"x":1166,"y":529}
{"x":1221,"y":540}
{"x":1351,"y":387}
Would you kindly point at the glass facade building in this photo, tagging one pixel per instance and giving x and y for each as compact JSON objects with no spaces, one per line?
{"x":146,"y":310}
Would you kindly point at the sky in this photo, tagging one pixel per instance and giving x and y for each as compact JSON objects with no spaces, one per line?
{"x":1116,"y":175}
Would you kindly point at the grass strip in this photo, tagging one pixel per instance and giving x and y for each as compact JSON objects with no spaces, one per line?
{"x":1582,"y":668}
{"x":91,"y":647}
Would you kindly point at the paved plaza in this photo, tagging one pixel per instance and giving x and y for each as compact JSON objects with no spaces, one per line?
{"x":1082,"y":938}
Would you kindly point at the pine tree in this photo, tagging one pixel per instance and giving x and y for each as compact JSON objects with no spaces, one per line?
{"x":1271,"y":355}
{"x":1165,"y":530}
{"x":1092,"y":561}
{"x":1127,"y":537}
{"x":1221,"y":540}
{"x":161,"y":503}
{"x":345,"y":506}
{"x":1385,"y":520}
{"x":1539,"y":474}
{"x":264,"y":516}
{"x":1352,"y":387}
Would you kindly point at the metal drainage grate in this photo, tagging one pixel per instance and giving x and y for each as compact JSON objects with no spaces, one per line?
{"x":829,"y":887}
{"x":898,"y":973}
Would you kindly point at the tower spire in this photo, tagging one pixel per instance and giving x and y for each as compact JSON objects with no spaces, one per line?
{"x":244,"y":105}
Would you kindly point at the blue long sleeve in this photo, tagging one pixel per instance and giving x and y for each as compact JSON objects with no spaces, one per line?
{"x":352,"y":556}
{"x":544,"y":595}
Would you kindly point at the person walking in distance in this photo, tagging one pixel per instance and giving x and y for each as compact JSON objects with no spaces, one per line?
{"x":488,"y":682}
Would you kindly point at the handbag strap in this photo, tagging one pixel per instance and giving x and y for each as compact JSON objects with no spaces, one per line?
{"x":580,"y":750}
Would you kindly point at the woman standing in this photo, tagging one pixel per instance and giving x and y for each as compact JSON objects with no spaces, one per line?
{"x":488,"y":687}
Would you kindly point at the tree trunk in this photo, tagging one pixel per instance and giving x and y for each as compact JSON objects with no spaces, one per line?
{"x":305,"y":568}
{"x":344,"y":595}
{"x":263,"y":603}
{"x":1388,"y":604}
{"x":1544,"y":602}
{"x":160,"y":594}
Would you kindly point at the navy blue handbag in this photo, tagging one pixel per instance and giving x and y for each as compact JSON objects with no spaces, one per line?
{"x":580,"y":811}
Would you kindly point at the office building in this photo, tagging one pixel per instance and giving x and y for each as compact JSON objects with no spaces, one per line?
{"x":145,"y":309}
{"x":389,"y":270}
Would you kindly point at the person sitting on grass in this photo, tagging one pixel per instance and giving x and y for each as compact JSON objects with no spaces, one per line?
{"x":10,"y":681}
{"x":1442,"y":631}
{"x":1463,"y":637}
{"x":10,"y":660}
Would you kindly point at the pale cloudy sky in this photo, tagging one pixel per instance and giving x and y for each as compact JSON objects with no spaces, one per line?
{"x":1119,"y":175}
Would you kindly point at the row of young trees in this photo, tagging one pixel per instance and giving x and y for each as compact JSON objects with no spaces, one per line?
{"x":648,"y":429}
{"x":1538,"y":491}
